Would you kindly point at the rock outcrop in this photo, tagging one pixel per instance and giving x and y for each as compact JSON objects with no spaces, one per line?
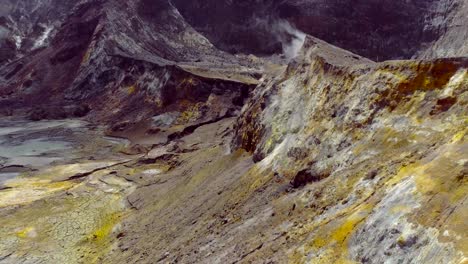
{"x":380,"y":148}
{"x":27,"y":26}
{"x":379,"y":29}
{"x":356,"y":162}
{"x":321,"y":153}
{"x":125,"y":61}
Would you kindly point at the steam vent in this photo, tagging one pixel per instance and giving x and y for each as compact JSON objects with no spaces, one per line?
{"x":234,"y":131}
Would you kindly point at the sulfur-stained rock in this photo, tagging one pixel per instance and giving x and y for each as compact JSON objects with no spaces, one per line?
{"x":315,"y":155}
{"x":373,"y":121}
{"x":122,"y":60}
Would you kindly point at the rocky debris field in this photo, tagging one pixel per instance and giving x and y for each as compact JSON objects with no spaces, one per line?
{"x":145,"y":131}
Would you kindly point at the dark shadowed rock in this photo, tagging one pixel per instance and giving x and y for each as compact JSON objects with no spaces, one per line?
{"x":177,"y":148}
{"x":378,"y":29}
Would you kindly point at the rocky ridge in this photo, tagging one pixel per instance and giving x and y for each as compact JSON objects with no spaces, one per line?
{"x":330,"y":157}
{"x":385,"y":139}
{"x":379,"y":29}
{"x":113,"y":49}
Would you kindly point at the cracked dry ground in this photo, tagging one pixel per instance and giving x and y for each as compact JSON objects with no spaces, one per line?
{"x":349,"y":161}
{"x":90,"y":211}
{"x":197,"y":200}
{"x":193,"y":201}
{"x":383,"y":183}
{"x":63,"y":211}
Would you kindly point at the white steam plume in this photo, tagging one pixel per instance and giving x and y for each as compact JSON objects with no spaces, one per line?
{"x":290,"y":37}
{"x":42,"y":39}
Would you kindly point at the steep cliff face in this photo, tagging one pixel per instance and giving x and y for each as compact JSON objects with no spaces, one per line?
{"x":353,"y":162}
{"x":383,"y":30}
{"x":379,"y":29}
{"x":139,"y":57}
{"x":236,"y":26}
{"x":450,"y":26}
{"x":28,"y":25}
{"x":320,"y":155}
{"x":376,"y":152}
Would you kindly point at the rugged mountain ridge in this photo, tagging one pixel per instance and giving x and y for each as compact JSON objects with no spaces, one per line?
{"x":329,"y":157}
{"x":27,"y":25}
{"x":354,"y":162}
{"x":378,"y":29}
{"x":373,"y":137}
{"x":113,"y":49}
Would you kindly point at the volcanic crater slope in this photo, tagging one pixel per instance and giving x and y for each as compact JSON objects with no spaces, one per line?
{"x":378,"y":29}
{"x":139,"y":58}
{"x":170,"y":149}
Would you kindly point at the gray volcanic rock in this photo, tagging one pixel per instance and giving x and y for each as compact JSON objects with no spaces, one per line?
{"x":448,"y":20}
{"x":320,"y":155}
{"x":351,"y":133}
{"x":129,"y":54}
{"x":377,"y":29}
{"x":29,"y":25}
{"x":380,"y":29}
{"x":235,"y":26}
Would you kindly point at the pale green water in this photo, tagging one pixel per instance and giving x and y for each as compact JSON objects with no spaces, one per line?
{"x":25,"y":143}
